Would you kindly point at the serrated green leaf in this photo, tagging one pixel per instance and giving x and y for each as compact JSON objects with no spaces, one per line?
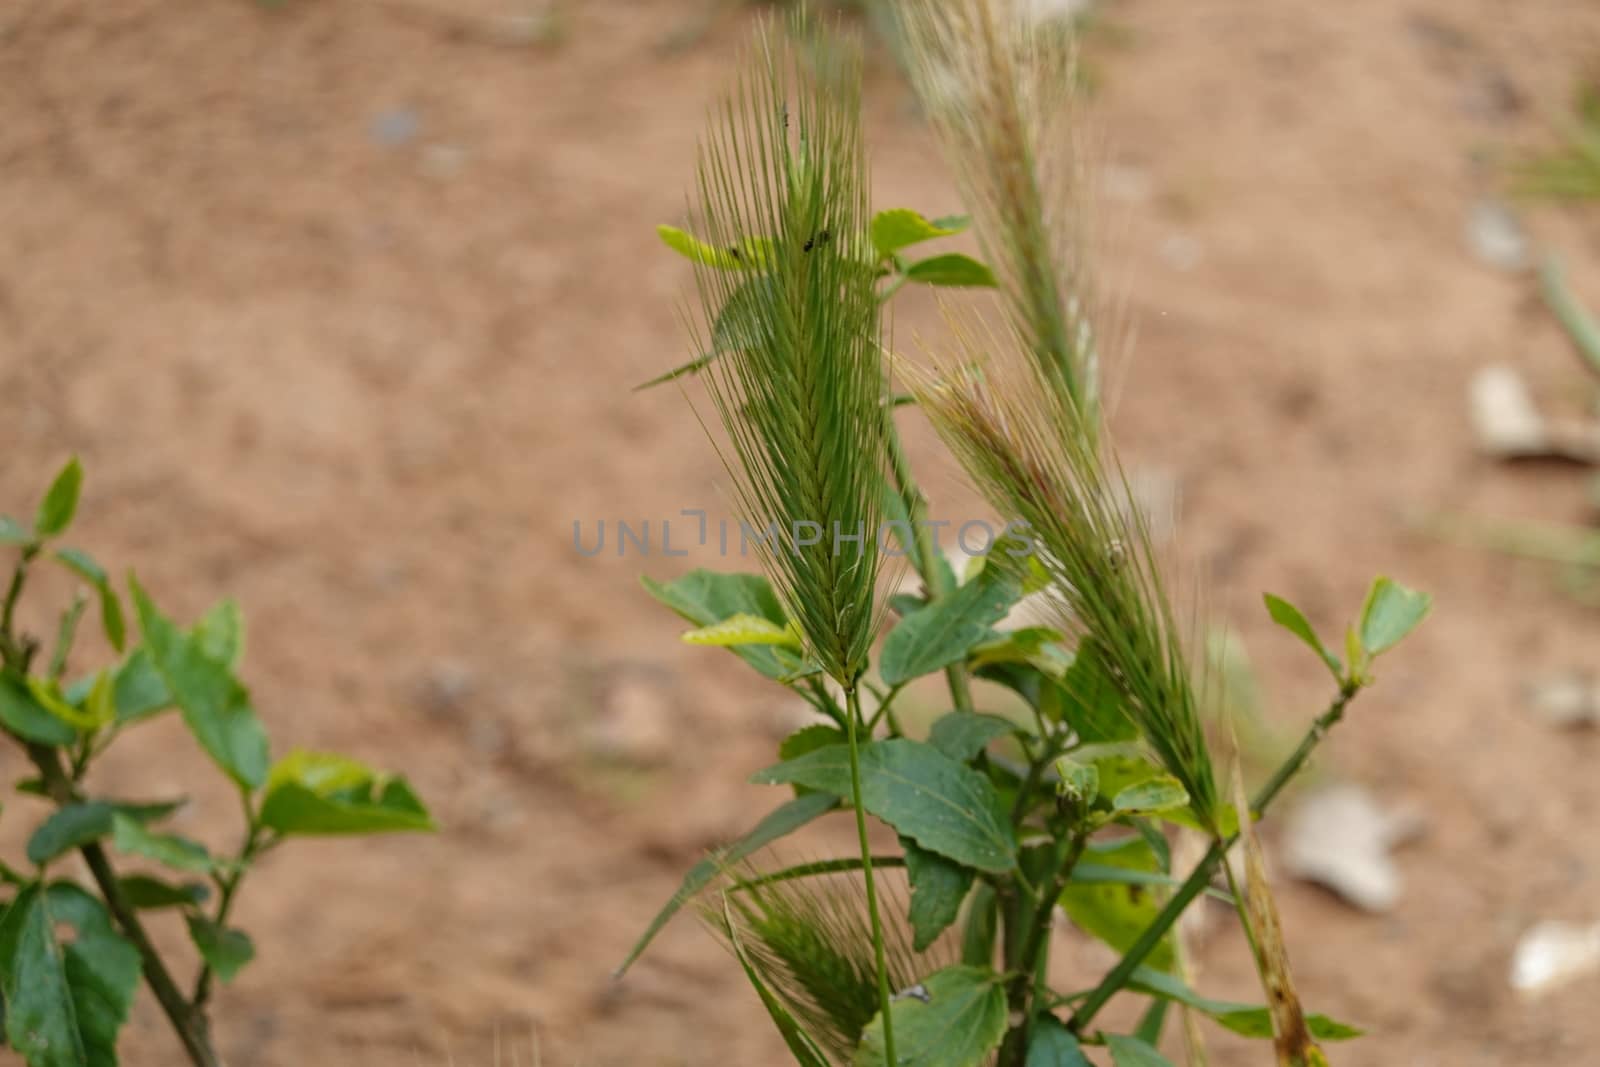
{"x":227,"y":950}
{"x":899,"y":228}
{"x":13,"y":532}
{"x":1391,"y":612}
{"x":961,"y":735}
{"x":148,"y":893}
{"x":1153,"y":795}
{"x":41,"y":1021}
{"x":743,"y":629}
{"x":214,"y":705}
{"x":102,"y":969}
{"x":944,"y":631}
{"x":60,"y":502}
{"x":1131,"y":1052}
{"x":1290,"y":618}
{"x":1119,"y":914}
{"x":708,"y":597}
{"x":22,"y":715}
{"x":951,"y":269}
{"x":130,"y":836}
{"x":942,"y":805}
{"x":1053,"y":1045}
{"x":938,"y":886}
{"x":317,"y":793}
{"x":780,"y":822}
{"x":956,"y":1018}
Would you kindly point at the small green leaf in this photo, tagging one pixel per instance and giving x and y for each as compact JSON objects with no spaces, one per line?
{"x":938,"y":886}
{"x":1119,"y":914}
{"x":41,"y":1021}
{"x":138,"y":691}
{"x":749,"y":255}
{"x":1038,"y":646}
{"x":1245,"y":1019}
{"x":102,"y":968}
{"x":1391,"y":612}
{"x":75,"y":825}
{"x":955,"y":1019}
{"x":225,"y":949}
{"x":1131,"y":1052}
{"x":48,"y":695}
{"x":215,"y":706}
{"x":318,"y":793}
{"x":111,"y":617}
{"x":1289,"y":617}
{"x":951,"y":269}
{"x":779,"y":823}
{"x":707,"y":597}
{"x":220,"y":634}
{"x":22,"y":715}
{"x":1150,"y":796}
{"x":13,"y":532}
{"x":60,"y":503}
{"x":945,"y":807}
{"x":944,"y":631}
{"x":129,"y":835}
{"x":148,"y":893}
{"x":899,"y":228}
{"x":743,"y":629}
{"x":1080,"y":782}
{"x":809,"y":739}
{"x":1053,"y":1045}
{"x":961,"y":735}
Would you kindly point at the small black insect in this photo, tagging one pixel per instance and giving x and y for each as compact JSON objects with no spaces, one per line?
{"x":735,"y":253}
{"x":820,"y":237}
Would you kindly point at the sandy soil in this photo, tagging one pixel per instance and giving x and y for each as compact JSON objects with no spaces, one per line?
{"x":340,"y":304}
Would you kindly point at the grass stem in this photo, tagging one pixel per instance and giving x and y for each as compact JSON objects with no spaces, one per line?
{"x":885,"y":995}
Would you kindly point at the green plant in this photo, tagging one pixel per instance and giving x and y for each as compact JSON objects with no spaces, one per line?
{"x":1001,"y":820}
{"x":71,"y":955}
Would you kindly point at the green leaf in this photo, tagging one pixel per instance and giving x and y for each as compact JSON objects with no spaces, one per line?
{"x":48,"y":695}
{"x":1038,"y":646}
{"x":801,"y":1044}
{"x":60,"y":503}
{"x":13,"y":532}
{"x":111,"y":617}
{"x":1053,"y":1045}
{"x":899,"y":228}
{"x":951,"y":269}
{"x":103,"y":970}
{"x":215,"y":706}
{"x":743,"y":629}
{"x":961,"y":735}
{"x":22,"y":715}
{"x":1131,"y":1052}
{"x":938,"y":886}
{"x":781,"y":822}
{"x":138,"y":690}
{"x":1119,"y":914}
{"x":225,"y":949}
{"x":707,"y":597}
{"x":1152,"y":795}
{"x":1289,"y":617}
{"x":955,"y":1019}
{"x":944,"y":631}
{"x":75,"y":825}
{"x":750,"y":255}
{"x":1245,"y":1019}
{"x":220,"y":634}
{"x":809,"y":739}
{"x":1391,"y":612}
{"x":317,"y":793}
{"x":980,"y":926}
{"x":943,"y":806}
{"x":1080,"y":782}
{"x":41,"y":1019}
{"x":130,"y":836}
{"x":1089,"y":700}
{"x":148,"y":893}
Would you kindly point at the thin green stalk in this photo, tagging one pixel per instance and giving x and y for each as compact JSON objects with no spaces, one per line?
{"x":229,"y":888}
{"x":1069,"y":849}
{"x":885,"y":995}
{"x":1201,"y":877}
{"x":924,"y":554}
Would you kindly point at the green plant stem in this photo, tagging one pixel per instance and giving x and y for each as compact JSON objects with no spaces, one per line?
{"x":1206,"y":869}
{"x":924,"y":554}
{"x":1019,"y":993}
{"x":885,"y":996}
{"x":15,"y":654}
{"x":229,"y":887}
{"x":187,"y":1020}
{"x":1583,"y":330}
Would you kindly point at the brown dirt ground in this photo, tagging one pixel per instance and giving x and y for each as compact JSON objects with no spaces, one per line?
{"x":366,"y":388}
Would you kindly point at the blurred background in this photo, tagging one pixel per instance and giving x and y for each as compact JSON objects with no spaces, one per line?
{"x":341,"y":303}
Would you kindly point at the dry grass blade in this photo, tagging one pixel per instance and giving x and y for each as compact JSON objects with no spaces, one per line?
{"x":799,"y":387}
{"x":999,"y":85}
